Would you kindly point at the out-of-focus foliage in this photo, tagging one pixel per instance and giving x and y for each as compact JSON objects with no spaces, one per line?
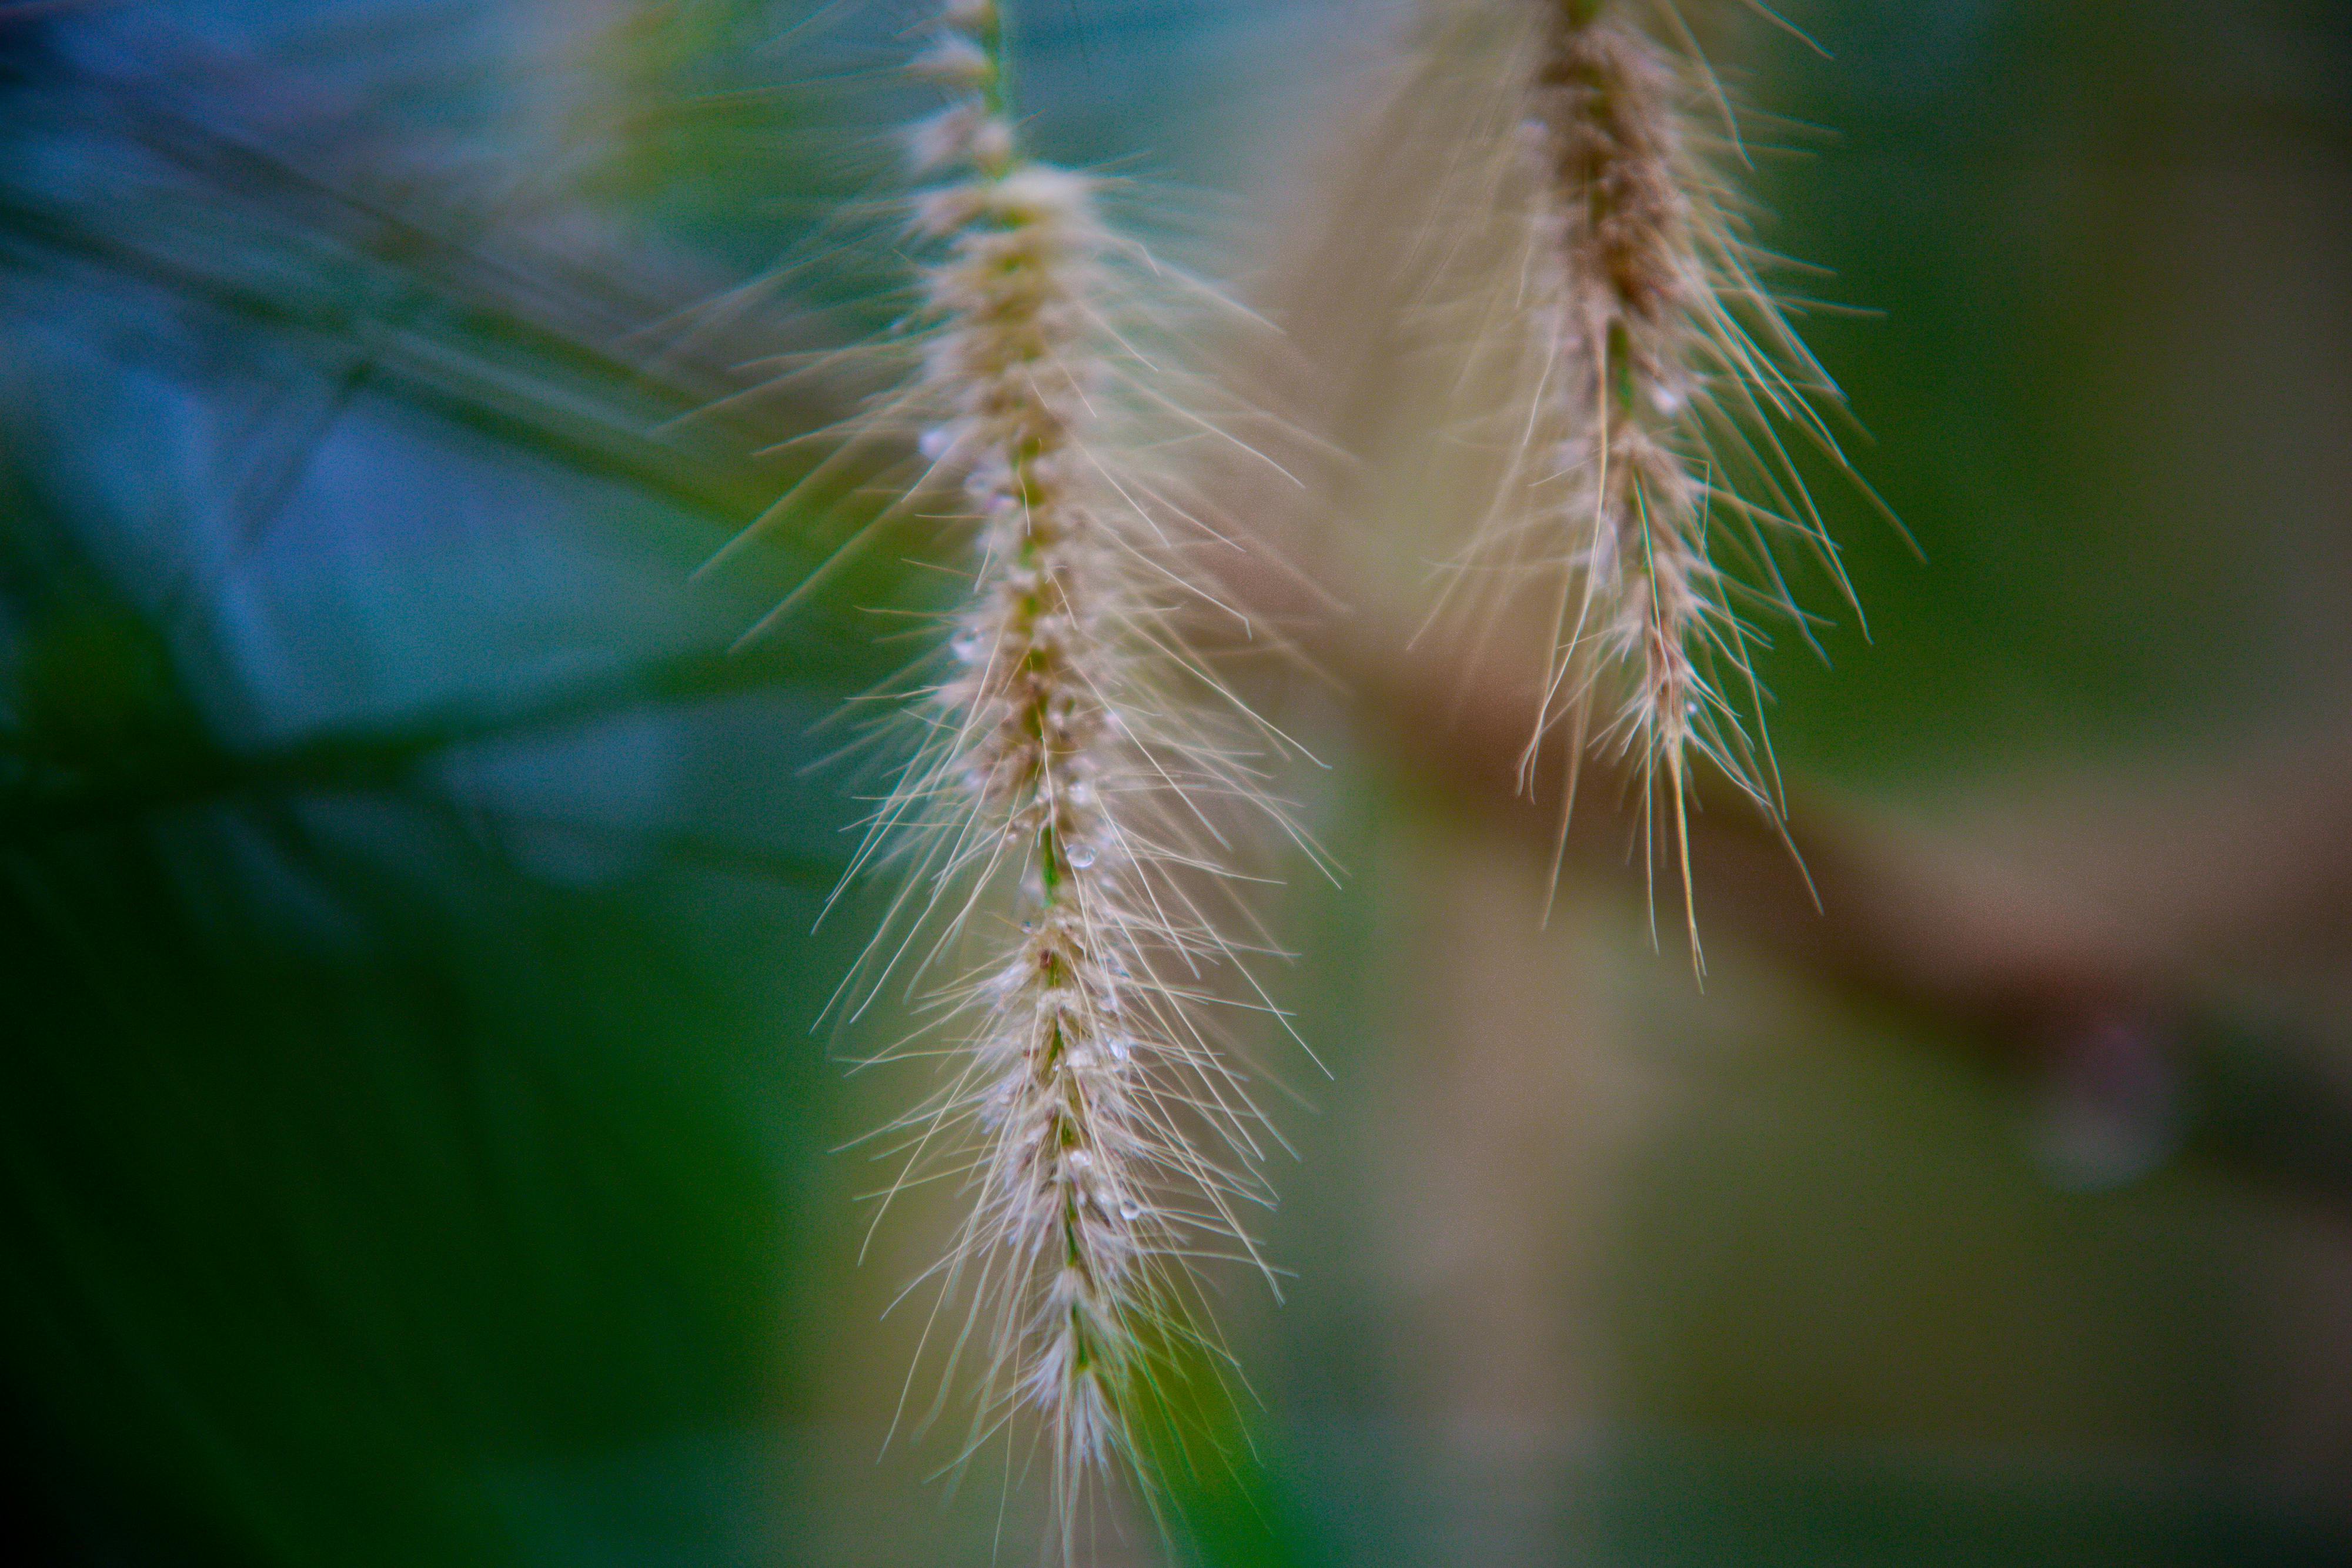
{"x":414,"y":1145}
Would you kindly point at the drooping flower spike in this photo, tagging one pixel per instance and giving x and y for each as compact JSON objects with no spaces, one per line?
{"x":1057,"y":839}
{"x":1662,"y":381}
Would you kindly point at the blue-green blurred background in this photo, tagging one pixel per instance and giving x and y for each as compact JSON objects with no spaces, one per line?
{"x":415,"y":1126}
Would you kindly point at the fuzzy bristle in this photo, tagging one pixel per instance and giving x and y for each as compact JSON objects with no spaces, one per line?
{"x":1057,"y":828}
{"x":1638,"y":293}
{"x":1661,"y":376}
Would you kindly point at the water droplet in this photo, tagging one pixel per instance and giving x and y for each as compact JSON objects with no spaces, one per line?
{"x":1120,"y":1046}
{"x":1080,"y":1160}
{"x":968,"y":647}
{"x":1130,"y":1210}
{"x":1082,"y":856}
{"x":936,"y":443}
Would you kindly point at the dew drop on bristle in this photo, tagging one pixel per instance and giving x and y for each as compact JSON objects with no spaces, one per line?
{"x":1083,"y":856}
{"x":966,"y":647}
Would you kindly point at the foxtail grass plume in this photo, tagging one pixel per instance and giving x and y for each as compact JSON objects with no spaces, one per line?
{"x":1057,"y":837}
{"x":1659,"y":378}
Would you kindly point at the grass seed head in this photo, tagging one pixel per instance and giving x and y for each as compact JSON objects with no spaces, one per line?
{"x":1056,"y":836}
{"x":1651,"y":480}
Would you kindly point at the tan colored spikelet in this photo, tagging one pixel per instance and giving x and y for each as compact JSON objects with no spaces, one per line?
{"x":1650,"y":481}
{"x":1057,"y":837}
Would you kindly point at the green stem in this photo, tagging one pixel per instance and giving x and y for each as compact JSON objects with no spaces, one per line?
{"x":997,"y":92}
